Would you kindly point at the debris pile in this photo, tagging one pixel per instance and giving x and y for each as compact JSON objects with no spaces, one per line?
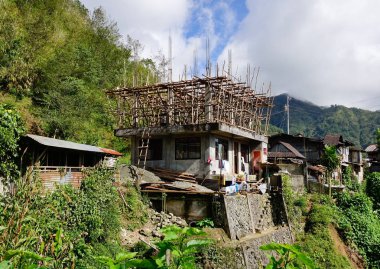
{"x":151,"y":230}
{"x":161,"y":219}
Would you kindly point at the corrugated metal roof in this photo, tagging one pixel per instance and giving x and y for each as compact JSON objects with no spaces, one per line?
{"x":291,"y":153}
{"x":333,"y":140}
{"x":57,"y":143}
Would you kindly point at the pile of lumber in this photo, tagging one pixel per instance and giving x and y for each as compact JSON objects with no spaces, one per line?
{"x":173,"y":181}
{"x":171,"y":175}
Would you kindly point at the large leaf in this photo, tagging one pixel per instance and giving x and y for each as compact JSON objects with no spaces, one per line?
{"x":143,"y":264}
{"x":198,"y":242}
{"x":125,"y":256}
{"x":6,"y":265}
{"x":25,"y":254}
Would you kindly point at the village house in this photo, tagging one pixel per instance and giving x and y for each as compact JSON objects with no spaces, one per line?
{"x":310,"y":148}
{"x":373,"y":157}
{"x":211,"y":127}
{"x":61,"y":162}
{"x":301,"y":155}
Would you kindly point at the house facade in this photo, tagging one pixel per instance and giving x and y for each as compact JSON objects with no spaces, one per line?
{"x":209,"y":127}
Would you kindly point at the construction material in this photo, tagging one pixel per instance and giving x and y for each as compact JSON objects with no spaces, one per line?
{"x":193,"y":102}
{"x":173,"y":175}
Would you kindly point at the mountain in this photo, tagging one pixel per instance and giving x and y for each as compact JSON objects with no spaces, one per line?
{"x":356,"y":125}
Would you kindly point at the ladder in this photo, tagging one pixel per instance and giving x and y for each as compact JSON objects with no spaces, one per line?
{"x":143,"y":148}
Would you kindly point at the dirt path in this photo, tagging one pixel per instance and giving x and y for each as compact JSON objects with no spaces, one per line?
{"x":355,"y":260}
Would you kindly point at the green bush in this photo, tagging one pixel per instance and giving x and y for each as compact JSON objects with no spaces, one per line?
{"x":360,"y":225}
{"x":316,"y":240}
{"x":11,"y":129}
{"x":373,"y":188}
{"x":67,"y":225}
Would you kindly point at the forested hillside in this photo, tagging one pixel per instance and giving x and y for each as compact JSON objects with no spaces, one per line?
{"x":356,"y":125}
{"x":56,"y":60}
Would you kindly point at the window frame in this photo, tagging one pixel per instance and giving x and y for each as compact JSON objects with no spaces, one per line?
{"x":187,"y":143}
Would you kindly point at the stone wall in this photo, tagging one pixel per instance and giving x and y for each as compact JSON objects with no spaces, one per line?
{"x":256,"y":258}
{"x":261,"y":211}
{"x":239,"y":218}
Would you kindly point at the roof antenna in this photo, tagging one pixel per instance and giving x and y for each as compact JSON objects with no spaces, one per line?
{"x":287,"y":110}
{"x":208,"y":63}
{"x":229,"y":72}
{"x":170,"y":68}
{"x":195,"y":64}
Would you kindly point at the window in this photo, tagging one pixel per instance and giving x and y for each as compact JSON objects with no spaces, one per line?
{"x":188,"y":148}
{"x":244,"y":152}
{"x":221,"y":146}
{"x":154,"y":150}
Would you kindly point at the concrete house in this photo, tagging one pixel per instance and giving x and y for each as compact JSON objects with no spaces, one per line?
{"x":373,"y":157}
{"x":208,"y":127}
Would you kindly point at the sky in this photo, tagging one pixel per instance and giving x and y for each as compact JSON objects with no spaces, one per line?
{"x":326,"y":52}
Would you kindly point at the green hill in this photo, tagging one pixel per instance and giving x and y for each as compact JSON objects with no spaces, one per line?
{"x":56,"y":60}
{"x":356,"y":125}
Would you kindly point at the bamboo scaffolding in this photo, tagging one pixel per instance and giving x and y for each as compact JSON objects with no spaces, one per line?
{"x":192,"y":102}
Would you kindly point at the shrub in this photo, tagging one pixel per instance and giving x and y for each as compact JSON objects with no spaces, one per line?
{"x":83,"y":218}
{"x":373,"y":188}
{"x":361,"y":225}
{"x":11,"y":129}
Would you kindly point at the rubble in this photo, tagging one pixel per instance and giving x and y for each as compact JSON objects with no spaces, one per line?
{"x":150,"y":232}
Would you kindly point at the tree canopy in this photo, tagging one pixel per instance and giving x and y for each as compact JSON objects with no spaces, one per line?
{"x":62,"y":57}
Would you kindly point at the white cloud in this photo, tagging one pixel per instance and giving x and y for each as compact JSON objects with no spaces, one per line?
{"x":189,"y":22}
{"x":151,"y":22}
{"x":324,"y":51}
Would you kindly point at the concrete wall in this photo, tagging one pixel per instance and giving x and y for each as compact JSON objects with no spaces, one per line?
{"x":297,"y":175}
{"x":208,"y":165}
{"x":199,"y":167}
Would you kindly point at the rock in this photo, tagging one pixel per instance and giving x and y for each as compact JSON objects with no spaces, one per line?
{"x":156,"y":233}
{"x":145,"y":232}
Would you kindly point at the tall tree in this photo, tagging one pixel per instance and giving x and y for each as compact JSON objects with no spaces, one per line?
{"x":11,"y":128}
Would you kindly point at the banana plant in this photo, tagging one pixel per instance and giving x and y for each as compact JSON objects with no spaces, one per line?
{"x":289,"y":257}
{"x":179,"y":247}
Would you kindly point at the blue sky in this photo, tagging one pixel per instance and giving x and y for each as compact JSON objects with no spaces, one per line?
{"x":208,"y":18}
{"x":323,"y":51}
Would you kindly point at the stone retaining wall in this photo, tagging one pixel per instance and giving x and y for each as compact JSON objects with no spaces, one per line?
{"x":256,"y":258}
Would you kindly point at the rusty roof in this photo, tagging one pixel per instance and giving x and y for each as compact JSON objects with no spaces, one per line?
{"x":111,"y":152}
{"x":318,"y":168}
{"x":333,"y":140}
{"x":291,"y":153}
